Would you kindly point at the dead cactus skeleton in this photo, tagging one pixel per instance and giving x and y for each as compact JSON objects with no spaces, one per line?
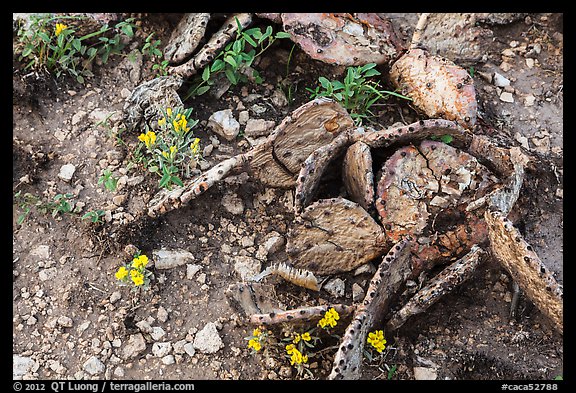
{"x":435,"y":202}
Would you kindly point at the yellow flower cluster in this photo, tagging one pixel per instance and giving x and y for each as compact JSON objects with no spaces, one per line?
{"x":60,"y":27}
{"x":180,"y":123}
{"x":330,"y":318}
{"x":254,"y":342}
{"x":194,"y":146}
{"x":137,"y":277}
{"x":296,"y":356}
{"x":135,"y":269}
{"x":140,"y":261}
{"x":169,"y":155}
{"x":149,"y":138}
{"x":303,"y":336}
{"x":377,"y":340}
{"x":121,"y":273}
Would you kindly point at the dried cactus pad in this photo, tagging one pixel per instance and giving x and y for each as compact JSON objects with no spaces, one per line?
{"x":333,"y":236}
{"x":307,"y":128}
{"x":387,"y":280}
{"x":357,"y":175}
{"x":428,"y":181}
{"x":525,"y":267}
{"x":437,"y":86}
{"x":343,"y":39}
{"x":186,"y":37}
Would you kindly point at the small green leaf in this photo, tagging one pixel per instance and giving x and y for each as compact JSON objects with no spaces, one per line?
{"x":176,"y":180}
{"x":370,"y":73}
{"x":76,"y":44}
{"x":283,"y":34}
{"x":447,"y":139}
{"x":324,"y":82}
{"x":230,"y":60}
{"x":201,"y":90}
{"x":217,"y":65}
{"x":249,"y":39}
{"x":231,"y":76}
{"x":206,"y":74}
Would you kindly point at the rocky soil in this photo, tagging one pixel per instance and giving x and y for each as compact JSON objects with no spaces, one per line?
{"x":71,"y":318}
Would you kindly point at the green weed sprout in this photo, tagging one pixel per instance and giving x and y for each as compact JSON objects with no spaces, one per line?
{"x":236,"y":57}
{"x":357,"y":93}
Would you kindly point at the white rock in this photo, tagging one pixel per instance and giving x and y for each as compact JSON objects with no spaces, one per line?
{"x":357,"y":292}
{"x":65,"y":321}
{"x":48,"y":274}
{"x":168,"y":360}
{"x":530,"y":62}
{"x":247,"y":267}
{"x":189,"y":349}
{"x":191,"y":270}
{"x":41,"y":252}
{"x":258,"y":127}
{"x":500,"y":80}
{"x":78,"y":117}
{"x":161,"y":349}
{"x":274,"y":243}
{"x":335,"y":287}
{"x":21,"y":365}
{"x":93,"y":366}
{"x":134,"y":347}
{"x":243,"y":117}
{"x":425,"y":374}
{"x":178,"y":347}
{"x":233,"y":204}
{"x":168,"y":259}
{"x":144,"y":326}
{"x":66,"y":172}
{"x":529,"y":100}
{"x":506,"y":97}
{"x":207,"y":340}
{"x":366,"y":268}
{"x":224,"y":124}
{"x":119,"y":372}
{"x":157,"y":333}
{"x":116,"y":295}
{"x":162,"y":314}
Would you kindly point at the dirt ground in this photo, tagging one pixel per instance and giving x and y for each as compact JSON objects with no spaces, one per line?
{"x":71,"y":318}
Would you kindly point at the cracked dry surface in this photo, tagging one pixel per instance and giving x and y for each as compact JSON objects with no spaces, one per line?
{"x":421,"y":184}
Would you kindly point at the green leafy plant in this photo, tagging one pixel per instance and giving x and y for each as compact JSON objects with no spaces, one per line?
{"x":151,"y":49}
{"x":50,"y":44}
{"x":94,"y":216}
{"x":447,"y":139}
{"x":236,"y":58}
{"x":27,"y":202}
{"x":110,"y":182}
{"x":357,"y":93}
{"x":392,"y":371}
{"x":173,"y":150}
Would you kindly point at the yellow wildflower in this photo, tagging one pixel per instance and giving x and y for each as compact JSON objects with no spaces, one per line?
{"x":176,"y":125}
{"x":162,"y":122}
{"x":194,"y":146}
{"x":137,"y":277}
{"x":141,"y":261}
{"x":60,"y":27}
{"x":256,"y":332}
{"x":169,"y":112}
{"x":255,"y":344}
{"x":306,"y":336}
{"x":121,"y":273}
{"x":166,"y":154}
{"x":149,"y":138}
{"x":290,"y":348}
{"x":296,"y":339}
{"x":377,"y":340}
{"x":330,"y":318}
{"x":173,"y":150}
{"x":297,"y":357}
